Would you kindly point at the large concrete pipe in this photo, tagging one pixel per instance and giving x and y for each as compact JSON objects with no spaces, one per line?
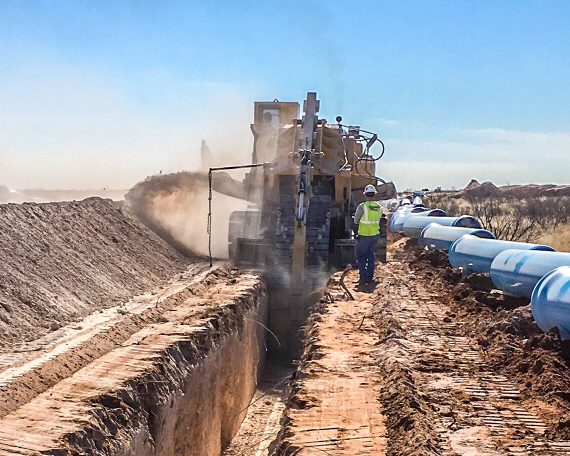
{"x":436,"y":236}
{"x":396,"y":215}
{"x":474,"y":254}
{"x":516,"y":272}
{"x":397,"y":222}
{"x":413,"y":226}
{"x":398,"y":226}
{"x":550,"y":302}
{"x":426,"y":212}
{"x":430,"y":213}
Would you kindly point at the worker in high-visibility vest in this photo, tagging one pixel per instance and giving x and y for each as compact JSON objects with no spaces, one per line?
{"x":367,"y":217}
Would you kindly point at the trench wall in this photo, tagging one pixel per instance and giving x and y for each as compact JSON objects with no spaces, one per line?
{"x":179,"y":387}
{"x":203,"y":417}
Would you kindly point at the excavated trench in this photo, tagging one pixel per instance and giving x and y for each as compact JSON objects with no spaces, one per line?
{"x":172,"y":370}
{"x":178,"y":381}
{"x":165,"y":355}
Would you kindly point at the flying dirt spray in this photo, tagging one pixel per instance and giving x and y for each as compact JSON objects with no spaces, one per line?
{"x":175,"y":206}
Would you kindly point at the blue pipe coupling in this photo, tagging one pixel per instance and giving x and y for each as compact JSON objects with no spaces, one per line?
{"x":516,"y":272}
{"x":550,"y":302}
{"x":413,"y":226}
{"x":475,"y":255}
{"x":436,"y":236}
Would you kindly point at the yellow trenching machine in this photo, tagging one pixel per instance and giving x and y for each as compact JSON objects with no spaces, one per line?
{"x":306,"y":180}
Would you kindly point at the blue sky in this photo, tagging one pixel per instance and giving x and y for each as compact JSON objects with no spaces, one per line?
{"x":101,"y":94}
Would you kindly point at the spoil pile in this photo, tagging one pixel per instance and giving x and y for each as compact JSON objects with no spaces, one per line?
{"x":474,"y":189}
{"x":61,"y":261}
{"x":505,"y":330}
{"x":175,"y":206}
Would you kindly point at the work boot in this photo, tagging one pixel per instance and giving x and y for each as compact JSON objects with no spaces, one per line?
{"x":365,"y":287}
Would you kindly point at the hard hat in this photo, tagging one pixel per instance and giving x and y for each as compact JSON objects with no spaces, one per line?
{"x":370,"y":189}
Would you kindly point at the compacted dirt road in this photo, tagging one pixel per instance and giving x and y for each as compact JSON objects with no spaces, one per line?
{"x":334,"y":406}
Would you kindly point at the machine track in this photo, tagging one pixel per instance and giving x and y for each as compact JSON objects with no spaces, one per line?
{"x":317,"y":232}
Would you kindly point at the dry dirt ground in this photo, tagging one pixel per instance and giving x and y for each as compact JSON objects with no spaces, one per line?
{"x":61,"y":261}
{"x":262,"y":422}
{"x":103,"y":323}
{"x":177,"y":380}
{"x":418,"y":367}
{"x":110,"y":338}
{"x":334,"y":405}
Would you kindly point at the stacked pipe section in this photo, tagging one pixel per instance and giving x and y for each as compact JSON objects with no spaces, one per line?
{"x":437,"y":236}
{"x":516,"y":272}
{"x":397,"y":220}
{"x":475,"y":255}
{"x":413,"y":226}
{"x":550,"y":302}
{"x":518,"y":269}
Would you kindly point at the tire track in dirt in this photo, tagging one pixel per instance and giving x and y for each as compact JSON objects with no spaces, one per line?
{"x":54,"y":359}
{"x":452,"y":398}
{"x":334,"y":408}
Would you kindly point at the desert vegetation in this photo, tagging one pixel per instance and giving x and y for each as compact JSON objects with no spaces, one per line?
{"x":514,"y":217}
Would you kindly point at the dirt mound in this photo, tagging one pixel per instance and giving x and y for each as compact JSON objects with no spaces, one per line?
{"x":61,"y":261}
{"x":474,"y":183}
{"x":505,"y":330}
{"x":484,"y":190}
{"x":527,"y":190}
{"x":560,"y":190}
{"x":474,"y":189}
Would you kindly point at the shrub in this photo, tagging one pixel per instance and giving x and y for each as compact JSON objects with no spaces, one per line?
{"x":508,"y":217}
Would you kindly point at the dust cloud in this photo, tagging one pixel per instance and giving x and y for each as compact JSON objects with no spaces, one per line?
{"x":176,"y":207}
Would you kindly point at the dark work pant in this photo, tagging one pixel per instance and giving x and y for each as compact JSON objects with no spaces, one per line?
{"x":365,"y":246}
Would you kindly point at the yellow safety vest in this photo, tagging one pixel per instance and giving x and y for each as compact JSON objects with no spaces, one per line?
{"x":369,"y":223}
